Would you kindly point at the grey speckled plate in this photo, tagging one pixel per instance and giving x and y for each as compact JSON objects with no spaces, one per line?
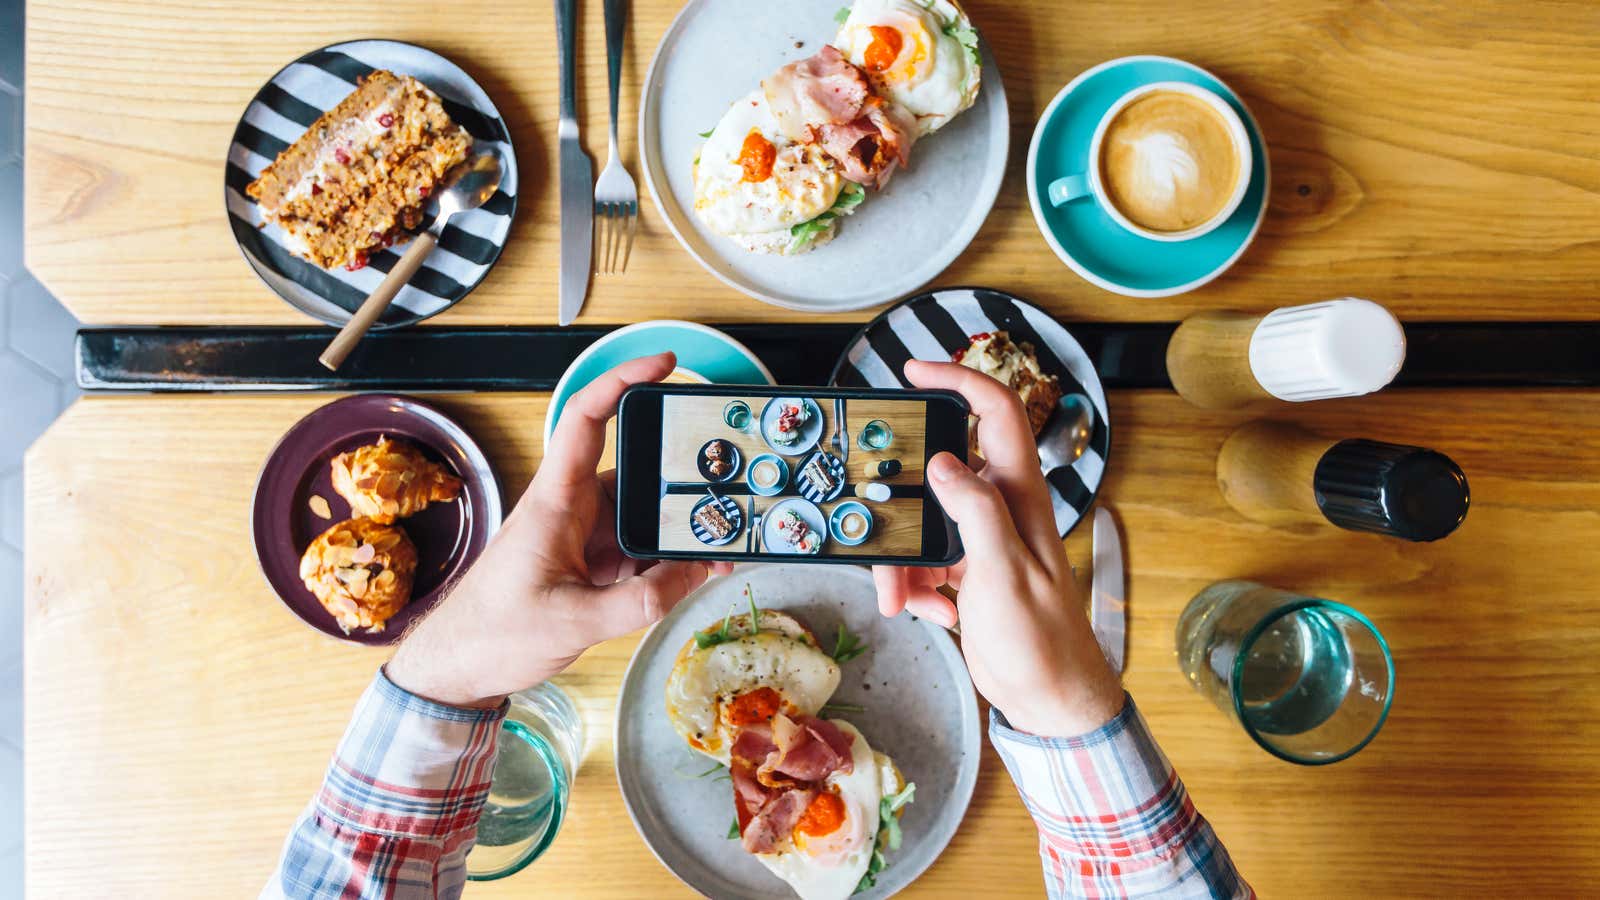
{"x":920,"y":709}
{"x":895,"y":243}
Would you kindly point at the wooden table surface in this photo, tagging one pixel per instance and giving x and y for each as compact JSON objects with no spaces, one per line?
{"x":1437,"y":156}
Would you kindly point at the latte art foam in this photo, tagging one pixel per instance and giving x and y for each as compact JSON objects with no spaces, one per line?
{"x":1168,"y":162}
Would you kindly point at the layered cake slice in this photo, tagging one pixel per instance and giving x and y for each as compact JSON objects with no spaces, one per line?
{"x":358,"y":178}
{"x":1014,"y":365}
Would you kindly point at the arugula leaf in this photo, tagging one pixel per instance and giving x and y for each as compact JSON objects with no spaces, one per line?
{"x":843,"y":707}
{"x":704,"y":639}
{"x":889,"y":835}
{"x":804,"y":233}
{"x":755,"y":614}
{"x":706,"y":134}
{"x":967,"y":36}
{"x":847,"y":646}
{"x":841,"y":15}
{"x":733,"y":830}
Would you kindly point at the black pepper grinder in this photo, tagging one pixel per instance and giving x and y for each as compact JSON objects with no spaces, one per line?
{"x":1282,"y":475}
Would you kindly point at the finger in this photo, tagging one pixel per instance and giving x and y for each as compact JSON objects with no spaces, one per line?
{"x":642,"y":600}
{"x":979,"y":511}
{"x":574,"y":449}
{"x":929,"y":604}
{"x":894,"y":588}
{"x":721,"y":568}
{"x":1010,"y":452}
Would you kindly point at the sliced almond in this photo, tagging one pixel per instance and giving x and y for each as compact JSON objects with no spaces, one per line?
{"x":319,"y":506}
{"x":387,"y":541}
{"x":363,"y":554}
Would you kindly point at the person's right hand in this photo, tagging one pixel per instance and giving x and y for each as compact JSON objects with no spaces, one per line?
{"x":1028,"y":644}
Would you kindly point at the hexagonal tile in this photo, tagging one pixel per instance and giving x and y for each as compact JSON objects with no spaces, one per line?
{"x":10,"y":125}
{"x":11,"y":513}
{"x":29,"y":402}
{"x":40,"y":327}
{"x":10,"y":218}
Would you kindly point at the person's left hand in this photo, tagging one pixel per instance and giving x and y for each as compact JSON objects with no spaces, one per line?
{"x":553,"y":582}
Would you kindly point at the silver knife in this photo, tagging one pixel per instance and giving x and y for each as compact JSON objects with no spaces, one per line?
{"x":577,"y":175}
{"x":844,"y":433}
{"x":1108,"y":592}
{"x":749,"y":524}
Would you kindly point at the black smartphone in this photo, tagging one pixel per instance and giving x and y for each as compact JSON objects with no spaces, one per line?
{"x":785,"y":474}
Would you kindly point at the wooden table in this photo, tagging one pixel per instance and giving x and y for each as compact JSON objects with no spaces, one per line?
{"x":1436,"y":156}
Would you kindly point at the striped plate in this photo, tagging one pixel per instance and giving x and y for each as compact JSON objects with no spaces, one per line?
{"x":730,"y":510}
{"x":812,"y":491}
{"x":934,"y":325}
{"x":287,"y":105}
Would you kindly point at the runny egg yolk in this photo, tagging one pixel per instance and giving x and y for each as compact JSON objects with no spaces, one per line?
{"x":884,"y":49}
{"x":823,"y":816}
{"x":752,"y":707}
{"x":756,"y":156}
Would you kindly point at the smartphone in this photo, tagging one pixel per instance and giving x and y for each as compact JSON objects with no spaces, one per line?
{"x":785,"y":474}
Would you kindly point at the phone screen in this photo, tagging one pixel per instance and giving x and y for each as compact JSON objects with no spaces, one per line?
{"x":825,"y":475}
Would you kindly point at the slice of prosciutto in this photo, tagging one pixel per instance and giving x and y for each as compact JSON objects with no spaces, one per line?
{"x":822,"y":89}
{"x":824,"y":99}
{"x":777,"y":769}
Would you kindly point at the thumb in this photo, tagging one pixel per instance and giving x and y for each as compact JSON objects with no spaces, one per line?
{"x":643,"y":599}
{"x":980,"y":513}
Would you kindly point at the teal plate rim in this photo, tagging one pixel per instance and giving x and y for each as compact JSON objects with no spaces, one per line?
{"x":588,"y":365}
{"x":1220,"y":248}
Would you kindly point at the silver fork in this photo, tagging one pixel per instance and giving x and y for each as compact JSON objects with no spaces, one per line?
{"x":616,"y":198}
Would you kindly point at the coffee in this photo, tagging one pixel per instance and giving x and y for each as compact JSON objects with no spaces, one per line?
{"x":853,"y":524}
{"x":765,"y":474}
{"x":1169,"y":162}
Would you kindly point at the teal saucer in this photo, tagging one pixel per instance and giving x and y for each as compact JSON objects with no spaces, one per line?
{"x":700,"y":349}
{"x":1088,"y":240}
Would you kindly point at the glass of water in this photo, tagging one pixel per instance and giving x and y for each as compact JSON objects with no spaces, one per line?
{"x":1310,"y":680}
{"x":541,"y":743}
{"x":875,"y":435}
{"x":737,"y":415}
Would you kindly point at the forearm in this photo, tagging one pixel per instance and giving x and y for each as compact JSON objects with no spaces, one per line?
{"x":1113,"y":817}
{"x":399,"y":806}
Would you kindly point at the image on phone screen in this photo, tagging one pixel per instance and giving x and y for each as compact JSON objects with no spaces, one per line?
{"x":825,"y":475}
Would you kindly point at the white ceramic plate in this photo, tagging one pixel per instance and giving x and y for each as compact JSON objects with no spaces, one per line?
{"x":897,"y":241}
{"x":810,"y":431}
{"x":920,"y":709}
{"x":773,"y":541}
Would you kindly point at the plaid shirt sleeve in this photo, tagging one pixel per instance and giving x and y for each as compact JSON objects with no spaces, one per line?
{"x":399,"y":806}
{"x":1113,"y":818}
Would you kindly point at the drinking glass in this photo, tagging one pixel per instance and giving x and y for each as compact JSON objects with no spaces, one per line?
{"x":875,"y":435}
{"x":737,"y":415}
{"x":540,"y":746}
{"x":1310,"y":680}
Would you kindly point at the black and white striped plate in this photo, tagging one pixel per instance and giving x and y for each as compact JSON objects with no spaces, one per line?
{"x":282,"y":110}
{"x":730,"y":510}
{"x":812,"y":491}
{"x":934,"y":325}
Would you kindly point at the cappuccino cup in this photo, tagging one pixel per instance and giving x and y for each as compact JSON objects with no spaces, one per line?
{"x":1169,"y":161}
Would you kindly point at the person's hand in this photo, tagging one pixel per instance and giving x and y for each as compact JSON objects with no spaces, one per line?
{"x":1027,"y":641}
{"x":553,"y":582}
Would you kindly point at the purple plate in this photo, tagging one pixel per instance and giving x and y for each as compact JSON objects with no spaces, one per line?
{"x":449,"y":536}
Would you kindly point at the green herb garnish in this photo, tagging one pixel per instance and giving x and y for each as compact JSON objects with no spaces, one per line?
{"x":704,"y":639}
{"x":847,"y":646}
{"x":706,"y":134}
{"x":733,"y":830}
{"x":966,"y":36}
{"x":843,"y":708}
{"x":755,"y":614}
{"x":841,"y":15}
{"x":889,"y":835}
{"x":804,"y":233}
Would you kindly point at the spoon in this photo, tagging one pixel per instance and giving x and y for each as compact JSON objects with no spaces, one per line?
{"x":474,"y":182}
{"x":1079,"y":423}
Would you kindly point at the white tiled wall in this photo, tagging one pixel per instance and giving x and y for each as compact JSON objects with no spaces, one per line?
{"x":35,"y":385}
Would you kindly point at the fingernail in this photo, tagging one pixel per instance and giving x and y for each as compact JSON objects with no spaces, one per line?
{"x":942,"y":467}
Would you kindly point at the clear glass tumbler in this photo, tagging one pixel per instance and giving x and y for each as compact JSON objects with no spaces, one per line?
{"x":737,"y":415}
{"x":875,"y":435}
{"x":1310,"y":680}
{"x":541,"y":744}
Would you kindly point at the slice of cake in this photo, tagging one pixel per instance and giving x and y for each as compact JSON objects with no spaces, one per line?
{"x":1015,"y":366}
{"x":358,"y":178}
